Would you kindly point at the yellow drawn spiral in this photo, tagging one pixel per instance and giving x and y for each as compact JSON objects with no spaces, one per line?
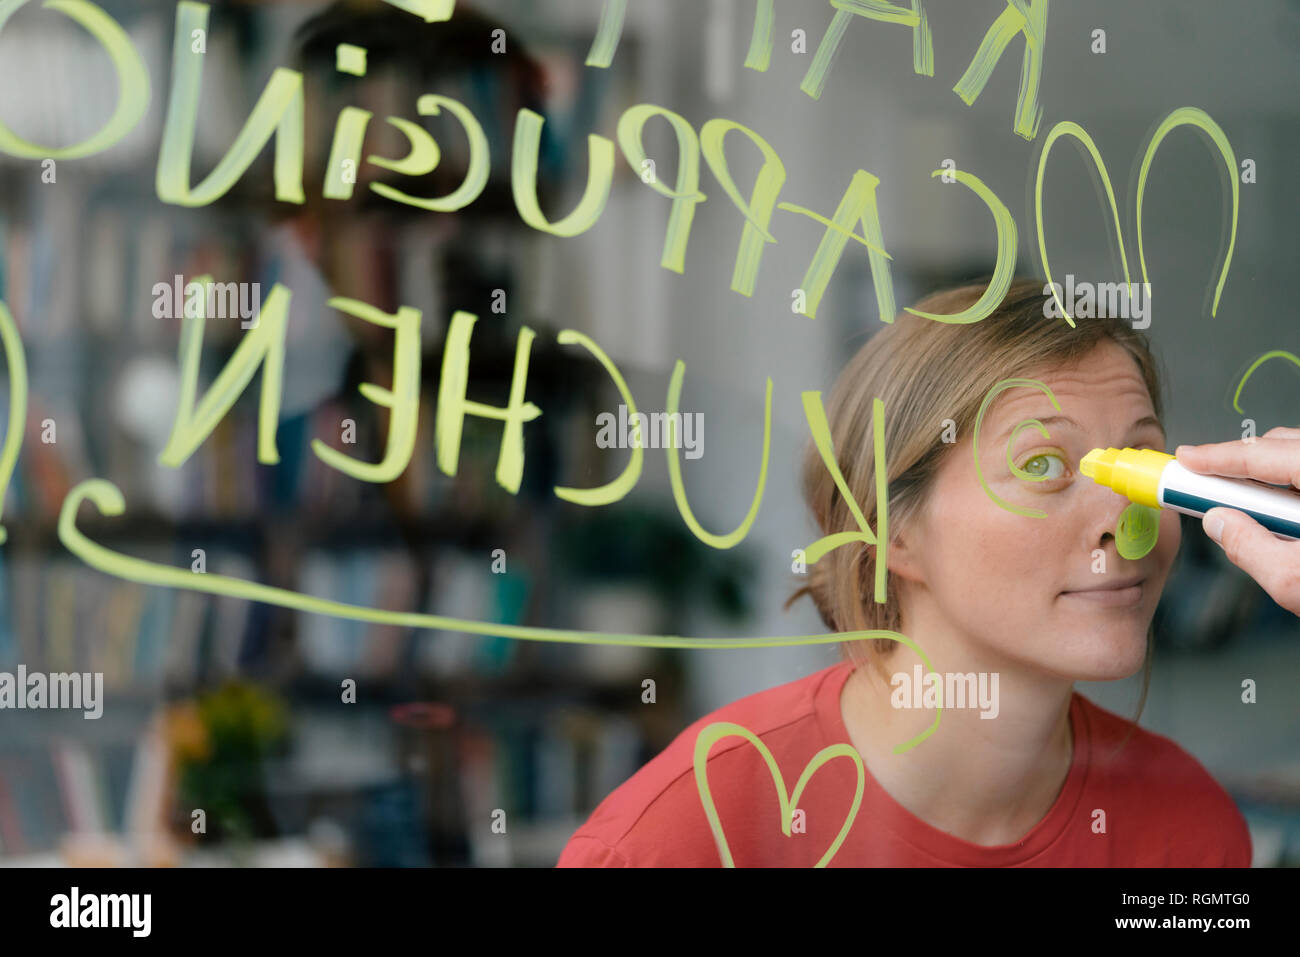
{"x":1137,"y":531}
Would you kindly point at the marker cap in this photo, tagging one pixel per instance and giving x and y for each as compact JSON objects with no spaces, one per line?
{"x":1134,"y":473}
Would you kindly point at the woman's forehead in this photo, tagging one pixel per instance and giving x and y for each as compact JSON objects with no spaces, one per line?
{"x":1108,"y":374}
{"x":1083,"y":403}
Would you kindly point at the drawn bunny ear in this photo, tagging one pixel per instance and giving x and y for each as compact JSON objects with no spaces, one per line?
{"x":1199,"y":119}
{"x":1183,"y":116}
{"x":1068,"y":128}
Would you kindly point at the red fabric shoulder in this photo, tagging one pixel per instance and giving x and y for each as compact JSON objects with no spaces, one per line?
{"x":656,"y":818}
{"x":1171,"y":812}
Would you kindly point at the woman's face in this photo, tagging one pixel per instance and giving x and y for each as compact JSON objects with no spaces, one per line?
{"x":1050,"y":593}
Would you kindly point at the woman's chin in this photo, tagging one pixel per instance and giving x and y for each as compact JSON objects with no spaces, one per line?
{"x":1107,"y":657}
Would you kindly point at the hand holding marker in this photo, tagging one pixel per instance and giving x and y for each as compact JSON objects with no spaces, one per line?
{"x":1257,"y":524}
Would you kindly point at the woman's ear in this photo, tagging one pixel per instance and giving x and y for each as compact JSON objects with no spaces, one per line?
{"x":903,"y":554}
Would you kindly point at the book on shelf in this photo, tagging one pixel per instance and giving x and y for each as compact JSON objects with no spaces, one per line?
{"x":64,"y":616}
{"x":54,"y":786}
{"x":554,"y":769}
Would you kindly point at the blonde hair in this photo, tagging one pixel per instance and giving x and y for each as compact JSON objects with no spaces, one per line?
{"x":926,"y":372}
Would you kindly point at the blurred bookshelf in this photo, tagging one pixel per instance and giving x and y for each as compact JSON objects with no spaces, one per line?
{"x":446,"y":728}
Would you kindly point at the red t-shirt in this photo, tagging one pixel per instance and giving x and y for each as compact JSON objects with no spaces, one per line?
{"x":1162,"y":809}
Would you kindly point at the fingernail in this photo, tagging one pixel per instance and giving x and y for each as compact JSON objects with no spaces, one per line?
{"x":1214,"y":528}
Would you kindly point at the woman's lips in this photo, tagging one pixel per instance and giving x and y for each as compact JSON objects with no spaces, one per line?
{"x":1127,"y":592}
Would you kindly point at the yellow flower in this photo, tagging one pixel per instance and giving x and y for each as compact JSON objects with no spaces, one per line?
{"x":186,"y":733}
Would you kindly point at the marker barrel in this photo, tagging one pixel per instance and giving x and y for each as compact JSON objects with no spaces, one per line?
{"x":1195,"y":494}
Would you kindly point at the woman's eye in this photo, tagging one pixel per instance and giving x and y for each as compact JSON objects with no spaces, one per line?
{"x":1045,"y":464}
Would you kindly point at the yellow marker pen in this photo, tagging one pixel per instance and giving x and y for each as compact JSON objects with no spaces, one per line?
{"x":1158,"y":480}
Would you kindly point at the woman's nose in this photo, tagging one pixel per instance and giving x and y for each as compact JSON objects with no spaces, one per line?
{"x":1104,"y":508}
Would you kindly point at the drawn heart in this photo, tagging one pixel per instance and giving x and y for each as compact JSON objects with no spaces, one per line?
{"x":715,"y":732}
